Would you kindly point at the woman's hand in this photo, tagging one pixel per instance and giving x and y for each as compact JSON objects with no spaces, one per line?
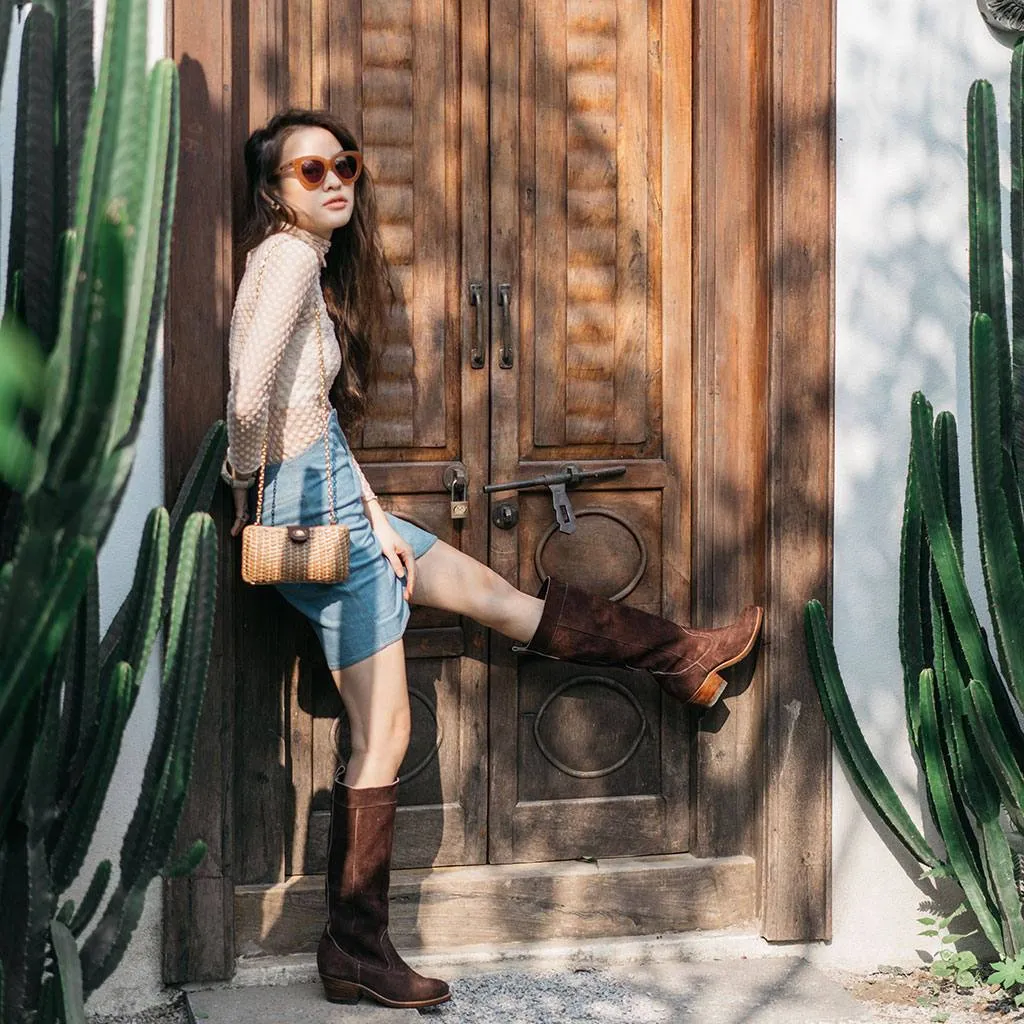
{"x":241,"y":500}
{"x":396,"y":550}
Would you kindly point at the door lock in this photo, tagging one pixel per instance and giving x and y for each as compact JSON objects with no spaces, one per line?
{"x":456,"y":482}
{"x":506,"y":515}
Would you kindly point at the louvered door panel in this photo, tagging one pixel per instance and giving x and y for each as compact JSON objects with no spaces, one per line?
{"x":389,"y":69}
{"x":585,"y":143}
{"x":585,"y":761}
{"x":377,"y":65}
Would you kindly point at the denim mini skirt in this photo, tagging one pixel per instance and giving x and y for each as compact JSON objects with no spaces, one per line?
{"x":366,"y":612}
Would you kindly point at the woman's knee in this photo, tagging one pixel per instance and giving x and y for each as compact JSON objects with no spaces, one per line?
{"x":385,"y":736}
{"x":398,"y":732}
{"x":374,"y":693}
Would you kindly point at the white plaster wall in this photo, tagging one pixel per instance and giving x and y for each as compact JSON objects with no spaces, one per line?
{"x":904,"y":70}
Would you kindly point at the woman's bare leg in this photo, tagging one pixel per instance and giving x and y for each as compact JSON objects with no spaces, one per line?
{"x":376,"y":700}
{"x":449,"y":579}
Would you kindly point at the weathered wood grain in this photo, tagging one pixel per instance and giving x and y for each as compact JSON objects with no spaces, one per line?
{"x":299,"y":764}
{"x":632,"y":270}
{"x":670,"y":316}
{"x":430,"y":164}
{"x":451,"y":907}
{"x":199,"y":929}
{"x":580,"y":102}
{"x":798,"y":801}
{"x":731,"y":399}
{"x":299,"y":33}
{"x":550,"y":159}
{"x":508,"y":177}
{"x":345,"y":69}
{"x":197,"y":921}
{"x":466,"y":126}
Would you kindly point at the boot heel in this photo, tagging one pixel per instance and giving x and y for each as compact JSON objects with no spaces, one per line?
{"x":710,"y":690}
{"x":340,"y":991}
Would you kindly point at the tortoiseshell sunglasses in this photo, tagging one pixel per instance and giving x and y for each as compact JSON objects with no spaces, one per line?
{"x":311,"y":170}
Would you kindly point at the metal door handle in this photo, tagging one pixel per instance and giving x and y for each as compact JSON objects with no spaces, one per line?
{"x":476,"y":298}
{"x":505,"y":304}
{"x":570,"y":476}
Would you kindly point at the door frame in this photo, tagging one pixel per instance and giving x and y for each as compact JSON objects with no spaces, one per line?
{"x":758,"y":117}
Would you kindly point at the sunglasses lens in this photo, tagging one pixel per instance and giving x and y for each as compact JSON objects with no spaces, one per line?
{"x":347,"y":168}
{"x":312,"y":170}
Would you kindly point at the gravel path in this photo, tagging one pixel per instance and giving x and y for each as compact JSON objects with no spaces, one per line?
{"x":171,"y":1012}
{"x":591,"y":995}
{"x":584,"y":996}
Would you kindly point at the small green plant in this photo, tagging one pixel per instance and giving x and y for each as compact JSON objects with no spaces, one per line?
{"x":1008,"y":974}
{"x":961,"y":967}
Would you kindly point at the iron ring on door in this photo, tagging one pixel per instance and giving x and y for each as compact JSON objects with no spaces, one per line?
{"x":595,"y":773}
{"x":609,"y":514}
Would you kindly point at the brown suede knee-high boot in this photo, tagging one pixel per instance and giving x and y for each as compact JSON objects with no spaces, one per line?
{"x":579,"y":626}
{"x":355,"y":956}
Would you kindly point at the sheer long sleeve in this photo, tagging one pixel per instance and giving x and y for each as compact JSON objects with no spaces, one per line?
{"x":364,"y":484}
{"x":264,"y":321}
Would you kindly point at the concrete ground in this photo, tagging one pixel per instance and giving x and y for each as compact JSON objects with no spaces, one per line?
{"x":646,"y":981}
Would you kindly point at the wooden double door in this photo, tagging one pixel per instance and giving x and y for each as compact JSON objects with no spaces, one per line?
{"x":631,"y":205}
{"x":516,"y":150}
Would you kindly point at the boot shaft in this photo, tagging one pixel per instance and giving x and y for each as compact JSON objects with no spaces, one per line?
{"x":359,"y":858}
{"x":355,"y":956}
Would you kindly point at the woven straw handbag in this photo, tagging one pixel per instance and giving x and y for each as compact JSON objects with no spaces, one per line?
{"x":297,"y":554}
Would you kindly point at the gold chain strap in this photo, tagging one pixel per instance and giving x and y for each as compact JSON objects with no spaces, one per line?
{"x":324,"y":403}
{"x":327,"y":414}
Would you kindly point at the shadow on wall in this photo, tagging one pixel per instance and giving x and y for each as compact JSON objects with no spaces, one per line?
{"x":902,"y":300}
{"x":902,"y":318}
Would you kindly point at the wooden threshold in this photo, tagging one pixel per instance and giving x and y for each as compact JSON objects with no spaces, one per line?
{"x":442,"y":908}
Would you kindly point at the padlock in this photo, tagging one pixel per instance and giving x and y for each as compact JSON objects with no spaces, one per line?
{"x":457,"y":482}
{"x":460,"y":500}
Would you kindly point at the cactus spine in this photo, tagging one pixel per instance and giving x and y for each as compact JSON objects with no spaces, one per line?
{"x":963,"y":702}
{"x":90,"y":288}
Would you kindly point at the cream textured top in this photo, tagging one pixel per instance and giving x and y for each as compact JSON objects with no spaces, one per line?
{"x":273,"y":355}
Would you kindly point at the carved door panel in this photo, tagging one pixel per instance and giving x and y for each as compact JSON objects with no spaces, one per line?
{"x":391,"y":71}
{"x":584,"y":761}
{"x":516,"y":146}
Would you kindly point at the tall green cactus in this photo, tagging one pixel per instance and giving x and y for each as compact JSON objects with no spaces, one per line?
{"x":92,"y":294}
{"x":963,"y":701}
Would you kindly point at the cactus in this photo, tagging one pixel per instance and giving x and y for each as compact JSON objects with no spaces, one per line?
{"x":20,"y":386}
{"x":91,"y":298}
{"x":963,"y":701}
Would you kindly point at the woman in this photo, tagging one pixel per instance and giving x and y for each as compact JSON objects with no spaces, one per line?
{"x":310,"y":317}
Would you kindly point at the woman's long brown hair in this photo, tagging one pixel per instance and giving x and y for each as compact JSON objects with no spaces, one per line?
{"x":357,"y":279}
